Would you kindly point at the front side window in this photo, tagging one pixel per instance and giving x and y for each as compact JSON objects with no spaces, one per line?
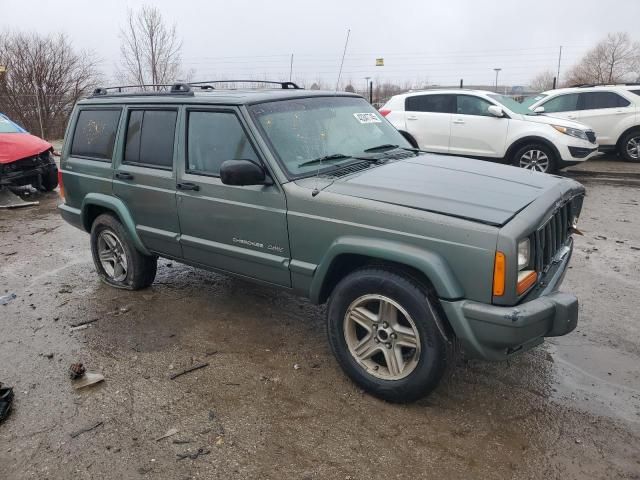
{"x":95,"y":134}
{"x":595,"y":100}
{"x":469,"y":105}
{"x":561,"y":103}
{"x":150,"y":138}
{"x":431,"y":103}
{"x":214,"y":137}
{"x":301,"y":131}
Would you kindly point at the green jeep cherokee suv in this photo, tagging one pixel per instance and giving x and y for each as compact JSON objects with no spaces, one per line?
{"x":315,"y":192}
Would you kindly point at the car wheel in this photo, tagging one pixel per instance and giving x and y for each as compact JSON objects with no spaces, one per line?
{"x":50,"y":180}
{"x":386,"y":335}
{"x":630,"y":146}
{"x":535,"y":157}
{"x":117,"y":261}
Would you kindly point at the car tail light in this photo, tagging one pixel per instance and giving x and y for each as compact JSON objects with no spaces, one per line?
{"x":60,"y":183}
{"x":499,"y":270}
{"x":384,"y":112}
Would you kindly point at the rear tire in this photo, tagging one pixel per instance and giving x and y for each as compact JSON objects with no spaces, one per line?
{"x":629,"y":148}
{"x":117,"y":261}
{"x":383,"y":330}
{"x":535,"y":157}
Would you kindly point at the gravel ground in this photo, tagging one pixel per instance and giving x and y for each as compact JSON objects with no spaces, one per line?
{"x":569,"y":409}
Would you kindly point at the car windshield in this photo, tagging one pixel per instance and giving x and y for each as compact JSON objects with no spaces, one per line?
{"x":7,"y":126}
{"x":527,"y":102}
{"x":511,"y":104}
{"x":338,"y":128}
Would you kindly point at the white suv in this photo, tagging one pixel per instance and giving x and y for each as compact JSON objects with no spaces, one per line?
{"x":613,"y":111}
{"x":485,"y":125}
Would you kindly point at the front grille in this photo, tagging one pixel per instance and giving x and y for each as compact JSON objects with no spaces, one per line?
{"x":591,"y":136}
{"x":549,"y":238}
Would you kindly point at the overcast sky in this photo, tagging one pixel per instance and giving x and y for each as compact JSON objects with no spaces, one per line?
{"x":420,"y":40}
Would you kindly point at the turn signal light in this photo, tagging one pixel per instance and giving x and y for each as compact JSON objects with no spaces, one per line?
{"x":384,"y":112}
{"x":499,"y":270}
{"x":525,"y":280}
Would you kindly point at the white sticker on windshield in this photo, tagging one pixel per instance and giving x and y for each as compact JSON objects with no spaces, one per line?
{"x":367,"y":118}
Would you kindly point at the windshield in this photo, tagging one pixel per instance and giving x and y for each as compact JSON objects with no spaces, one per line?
{"x":511,"y":104}
{"x":7,"y":126}
{"x":306,"y":129}
{"x":527,"y":102}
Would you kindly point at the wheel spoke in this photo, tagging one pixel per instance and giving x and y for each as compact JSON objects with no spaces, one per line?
{"x":406,"y":337}
{"x":366,"y":348}
{"x":394,"y":360}
{"x":388,"y":313}
{"x":107,"y":256}
{"x":363,"y":317}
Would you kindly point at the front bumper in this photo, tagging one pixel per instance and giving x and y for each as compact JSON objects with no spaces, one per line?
{"x":575,"y":150}
{"x":492,"y":332}
{"x":26,"y":176}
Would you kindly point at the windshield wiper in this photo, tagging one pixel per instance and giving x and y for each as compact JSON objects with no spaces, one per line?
{"x":326,"y":158}
{"x":386,"y":146}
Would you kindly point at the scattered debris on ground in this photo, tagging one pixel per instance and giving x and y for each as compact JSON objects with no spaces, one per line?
{"x":86,"y":429}
{"x":6,"y":401}
{"x":7,"y":298}
{"x":81,"y":378}
{"x":8,"y":199}
{"x":83,"y":322}
{"x":194,"y":455}
{"x":197,"y":366}
{"x":170,"y":433}
{"x":76,"y":370}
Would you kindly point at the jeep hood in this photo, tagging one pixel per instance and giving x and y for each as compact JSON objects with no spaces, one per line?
{"x":472,"y":189}
{"x":16,"y":146}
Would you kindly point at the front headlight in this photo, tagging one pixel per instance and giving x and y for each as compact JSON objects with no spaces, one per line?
{"x":524,"y":254}
{"x":572,"y":132}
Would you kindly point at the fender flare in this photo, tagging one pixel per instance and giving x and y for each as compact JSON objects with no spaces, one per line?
{"x":431,"y":264}
{"x":118,"y":207}
{"x":531,"y":139}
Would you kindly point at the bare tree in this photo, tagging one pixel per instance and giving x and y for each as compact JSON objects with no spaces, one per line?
{"x":613,"y":60}
{"x":543,"y":81}
{"x":150,"y":49}
{"x":45,"y":77}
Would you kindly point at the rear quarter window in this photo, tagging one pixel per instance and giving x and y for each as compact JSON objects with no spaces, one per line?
{"x":95,"y":133}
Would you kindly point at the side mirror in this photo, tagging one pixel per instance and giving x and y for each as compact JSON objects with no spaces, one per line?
{"x":496,"y":111}
{"x":539,"y":110}
{"x":243,"y":172}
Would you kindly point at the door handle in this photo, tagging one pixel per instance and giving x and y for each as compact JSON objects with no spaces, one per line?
{"x":188,"y":186}
{"x":459,"y":122}
{"x":124,"y":176}
{"x":412,"y":117}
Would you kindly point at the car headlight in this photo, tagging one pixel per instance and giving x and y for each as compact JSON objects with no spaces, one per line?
{"x":573,"y":132}
{"x":524,"y":253}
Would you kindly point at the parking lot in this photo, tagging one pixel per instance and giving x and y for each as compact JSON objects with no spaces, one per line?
{"x":273,"y":403}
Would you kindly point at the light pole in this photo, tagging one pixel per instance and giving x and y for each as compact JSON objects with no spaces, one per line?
{"x":367,"y":89}
{"x":497,"y":70}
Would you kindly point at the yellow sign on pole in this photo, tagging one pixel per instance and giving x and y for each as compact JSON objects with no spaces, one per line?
{"x":379,"y":62}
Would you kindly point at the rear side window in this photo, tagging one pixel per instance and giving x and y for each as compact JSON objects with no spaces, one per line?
{"x":637,"y":92}
{"x":594,"y":100}
{"x":95,"y":134}
{"x":431,"y":103}
{"x":214,"y":137}
{"x":562,"y":103}
{"x":150,"y":137}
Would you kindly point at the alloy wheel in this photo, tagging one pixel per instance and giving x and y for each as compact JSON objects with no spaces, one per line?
{"x":535,"y":160}
{"x":633,"y":147}
{"x":382,"y":337}
{"x":112,"y":255}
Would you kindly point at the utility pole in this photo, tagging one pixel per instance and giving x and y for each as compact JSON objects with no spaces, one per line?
{"x":559,"y":59}
{"x":367,"y":86}
{"x":35,"y":85}
{"x":291,"y":67}
{"x":497,"y":70}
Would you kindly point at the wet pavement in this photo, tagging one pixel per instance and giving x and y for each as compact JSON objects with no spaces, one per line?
{"x":569,"y":409}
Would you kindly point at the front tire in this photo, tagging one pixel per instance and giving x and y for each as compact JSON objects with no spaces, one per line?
{"x":535,"y":157}
{"x":117,"y":261}
{"x":384,"y":331}
{"x":630,"y":146}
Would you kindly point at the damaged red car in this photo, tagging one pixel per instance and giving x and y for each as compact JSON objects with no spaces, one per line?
{"x":25,"y":159}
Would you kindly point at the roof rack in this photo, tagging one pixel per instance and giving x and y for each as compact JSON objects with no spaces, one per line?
{"x":158,"y":89}
{"x":206,"y":85}
{"x":178,"y":88}
{"x":588,"y":85}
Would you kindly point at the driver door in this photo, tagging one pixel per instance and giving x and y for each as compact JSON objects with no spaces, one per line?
{"x":236,"y":229}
